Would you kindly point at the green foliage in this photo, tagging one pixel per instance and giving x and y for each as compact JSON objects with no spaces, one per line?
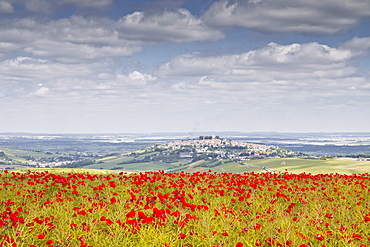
{"x":80,"y":164}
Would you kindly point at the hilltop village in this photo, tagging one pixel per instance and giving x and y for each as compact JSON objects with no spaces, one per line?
{"x":216,"y":148}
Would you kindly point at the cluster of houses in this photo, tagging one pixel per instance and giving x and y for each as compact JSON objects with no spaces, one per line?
{"x":199,"y":144}
{"x":223,"y":148}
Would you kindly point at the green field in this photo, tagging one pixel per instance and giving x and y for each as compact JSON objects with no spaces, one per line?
{"x":139,"y":163}
{"x":137,"y":167}
{"x":292,"y":165}
{"x":314,"y":166}
{"x":20,"y":155}
{"x":68,"y":170}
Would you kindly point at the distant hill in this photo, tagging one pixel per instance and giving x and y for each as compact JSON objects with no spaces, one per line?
{"x":202,"y":154}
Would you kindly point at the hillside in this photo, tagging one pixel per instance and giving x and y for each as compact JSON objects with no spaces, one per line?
{"x":222,"y":155}
{"x":15,"y":159}
{"x":206,"y":153}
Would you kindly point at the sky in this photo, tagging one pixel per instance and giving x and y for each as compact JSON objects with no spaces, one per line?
{"x":140,"y":66}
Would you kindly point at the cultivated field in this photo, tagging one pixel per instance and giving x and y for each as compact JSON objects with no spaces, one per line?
{"x":183,"y":209}
{"x":293,"y":165}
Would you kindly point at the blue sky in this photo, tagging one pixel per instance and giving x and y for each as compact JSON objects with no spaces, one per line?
{"x":105,"y":66}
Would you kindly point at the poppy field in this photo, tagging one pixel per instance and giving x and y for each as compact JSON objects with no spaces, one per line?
{"x":184,"y":209}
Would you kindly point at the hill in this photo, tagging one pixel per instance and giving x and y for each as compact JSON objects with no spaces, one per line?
{"x":202,"y":154}
{"x":206,"y":151}
{"x":223,"y":155}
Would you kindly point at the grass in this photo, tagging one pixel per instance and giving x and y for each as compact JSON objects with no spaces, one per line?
{"x":293,"y":165}
{"x":68,"y":170}
{"x":314,"y":166}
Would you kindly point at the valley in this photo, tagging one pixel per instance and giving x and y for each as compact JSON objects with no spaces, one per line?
{"x":171,"y":154}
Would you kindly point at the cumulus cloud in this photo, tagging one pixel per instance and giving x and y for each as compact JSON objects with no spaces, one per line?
{"x":359,"y":46}
{"x":76,"y":39}
{"x":41,"y":91}
{"x":272,"y":62}
{"x":6,"y":7}
{"x":74,"y":53}
{"x":307,"y":76}
{"x":31,"y":69}
{"x":195,"y":65}
{"x":173,"y":26}
{"x":25,"y":77}
{"x":298,"y":16}
{"x":135,"y":78}
{"x":84,"y":65}
{"x":7,"y":47}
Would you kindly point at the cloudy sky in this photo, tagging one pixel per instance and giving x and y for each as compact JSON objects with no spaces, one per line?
{"x":112,"y":66}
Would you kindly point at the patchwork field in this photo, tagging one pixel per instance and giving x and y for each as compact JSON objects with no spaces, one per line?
{"x":139,"y":163}
{"x":293,"y":165}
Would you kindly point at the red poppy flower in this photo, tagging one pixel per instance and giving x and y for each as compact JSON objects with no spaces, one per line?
{"x":319,"y":237}
{"x":257,"y":226}
{"x":113,"y":200}
{"x":327,"y":215}
{"x":367,"y":218}
{"x":131,"y":214}
{"x":41,"y":236}
{"x":356,"y":236}
{"x":182,"y":235}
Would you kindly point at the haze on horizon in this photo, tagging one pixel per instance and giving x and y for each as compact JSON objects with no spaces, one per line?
{"x":110,"y":66}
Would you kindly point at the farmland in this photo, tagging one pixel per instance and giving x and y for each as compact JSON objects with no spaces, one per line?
{"x":124,"y":163}
{"x":322,"y":153}
{"x":183,"y":209}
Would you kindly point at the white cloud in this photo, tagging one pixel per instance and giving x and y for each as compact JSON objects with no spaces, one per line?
{"x":73,"y":66}
{"x":359,"y":46}
{"x":30,"y":69}
{"x":169,"y":26}
{"x":272,"y":78}
{"x":298,"y":16}
{"x":134,"y":79}
{"x":195,"y":65}
{"x":137,"y":76}
{"x":88,"y":3}
{"x":6,"y":7}
{"x":272,"y":62}
{"x":68,"y":52}
{"x":77,"y":39}
{"x":297,"y":71}
{"x":7,"y":47}
{"x":42,"y":91}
